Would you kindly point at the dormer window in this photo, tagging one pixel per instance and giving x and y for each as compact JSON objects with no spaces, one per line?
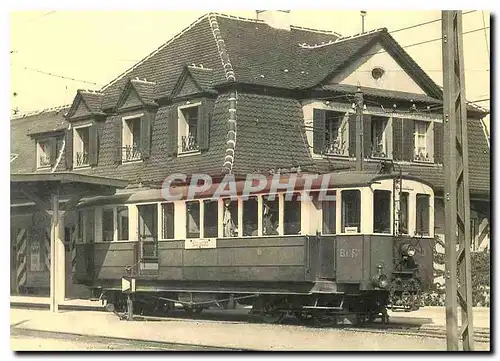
{"x":188,"y":129}
{"x":47,"y":151}
{"x":81,"y":146}
{"x":43,"y":154}
{"x":336,"y":135}
{"x":131,"y":149}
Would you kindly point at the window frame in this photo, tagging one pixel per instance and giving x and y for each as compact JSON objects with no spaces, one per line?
{"x":163,"y":229}
{"x":386,"y":136}
{"x":47,"y":142}
{"x":417,"y":233}
{"x":342,"y":133}
{"x":428,"y":140}
{"x":183,"y":129}
{"x":127,"y":138}
{"x":390,"y":215}
{"x":341,"y":205}
{"x":78,"y":140}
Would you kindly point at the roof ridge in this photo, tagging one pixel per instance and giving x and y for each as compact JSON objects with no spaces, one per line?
{"x":41,"y":111}
{"x":201,"y":67}
{"x":339,"y":40}
{"x":137,"y":80}
{"x":237,"y":17}
{"x":221,"y":47}
{"x":90,"y":91}
{"x":154,"y":52}
{"x":316,"y":30}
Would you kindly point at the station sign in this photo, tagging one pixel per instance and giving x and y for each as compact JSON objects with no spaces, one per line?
{"x":128,"y":285}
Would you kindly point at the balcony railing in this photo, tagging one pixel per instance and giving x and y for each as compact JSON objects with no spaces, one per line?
{"x":189,"y":143}
{"x":131,"y":152}
{"x":44,"y":161}
{"x":82,"y":158}
{"x":422,"y":157}
{"x":337,"y":147}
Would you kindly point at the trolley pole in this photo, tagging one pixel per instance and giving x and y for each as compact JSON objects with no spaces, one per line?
{"x":359,"y":130}
{"x":456,"y":188}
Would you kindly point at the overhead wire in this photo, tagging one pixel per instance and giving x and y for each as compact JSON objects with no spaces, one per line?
{"x":486,"y":36}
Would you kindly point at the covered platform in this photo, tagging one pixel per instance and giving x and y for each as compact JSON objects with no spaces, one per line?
{"x":40,"y":202}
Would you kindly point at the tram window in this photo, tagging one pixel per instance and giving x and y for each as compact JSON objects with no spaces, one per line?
{"x":168,"y":220}
{"x":351,"y":209}
{"x":122,"y":213}
{"x":210,"y":219}
{"x":292,"y":215}
{"x":193,"y":219}
{"x":108,"y":228}
{"x":422,"y":221}
{"x":89,"y":226}
{"x":403,"y":213}
{"x":230,"y":218}
{"x":329,"y":217}
{"x":270,"y":216}
{"x":250,"y":217}
{"x":381,"y":211}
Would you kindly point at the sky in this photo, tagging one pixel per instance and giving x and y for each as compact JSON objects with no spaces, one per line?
{"x":93,"y":47}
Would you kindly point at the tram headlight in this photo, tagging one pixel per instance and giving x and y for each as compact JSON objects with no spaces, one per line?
{"x":408,"y":250}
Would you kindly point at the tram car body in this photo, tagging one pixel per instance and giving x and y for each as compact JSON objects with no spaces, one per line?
{"x":367,"y":247}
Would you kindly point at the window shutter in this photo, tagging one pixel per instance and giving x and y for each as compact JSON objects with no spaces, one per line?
{"x":367,"y":135}
{"x":172,"y":136}
{"x":438,"y":143}
{"x":204,"y":118}
{"x":117,"y":138}
{"x":53,"y":151}
{"x":319,"y":130}
{"x":146,"y":135}
{"x":397,"y":145}
{"x":352,"y":135}
{"x":93,"y":144}
{"x":68,"y":149}
{"x":408,"y":139}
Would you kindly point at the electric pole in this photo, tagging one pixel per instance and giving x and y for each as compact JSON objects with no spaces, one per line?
{"x":456,"y":188}
{"x":359,"y":130}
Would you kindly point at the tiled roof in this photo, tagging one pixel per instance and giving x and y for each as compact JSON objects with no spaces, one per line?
{"x":145,"y":90}
{"x":270,"y":134}
{"x":202,"y":76}
{"x":93,"y":100}
{"x":23,"y":145}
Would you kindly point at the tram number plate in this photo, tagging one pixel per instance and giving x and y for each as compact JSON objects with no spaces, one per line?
{"x":200,"y":243}
{"x":349,"y":252}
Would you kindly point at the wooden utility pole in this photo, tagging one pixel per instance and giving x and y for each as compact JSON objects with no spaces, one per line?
{"x":456,"y":188}
{"x":359,"y":130}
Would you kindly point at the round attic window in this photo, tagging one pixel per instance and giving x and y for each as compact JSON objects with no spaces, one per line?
{"x":378,"y":73}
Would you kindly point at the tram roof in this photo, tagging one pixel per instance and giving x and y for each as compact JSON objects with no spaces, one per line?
{"x":323,"y":181}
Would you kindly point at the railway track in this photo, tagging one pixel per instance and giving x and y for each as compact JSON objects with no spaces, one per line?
{"x":405,"y":329}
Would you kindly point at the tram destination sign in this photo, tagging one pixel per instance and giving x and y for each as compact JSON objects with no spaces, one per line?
{"x":200,"y":243}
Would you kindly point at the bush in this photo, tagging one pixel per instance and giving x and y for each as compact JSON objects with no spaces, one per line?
{"x":480,"y":263}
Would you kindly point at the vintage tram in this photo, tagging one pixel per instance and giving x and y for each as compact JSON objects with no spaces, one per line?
{"x":346,"y":243}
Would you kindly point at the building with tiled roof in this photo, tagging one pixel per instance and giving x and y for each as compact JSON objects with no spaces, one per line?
{"x":239,"y":95}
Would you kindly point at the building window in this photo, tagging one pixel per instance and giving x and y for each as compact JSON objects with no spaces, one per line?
{"x":168,"y":220}
{"x":122,"y":215}
{"x":329,"y":216}
{"x":423,"y":214}
{"x":188,"y":130}
{"x":230,"y":218}
{"x":292,"y":215}
{"x":336,"y":135}
{"x":108,"y":227}
{"x":423,"y":146}
{"x":43,"y":154}
{"x":210,"y":219}
{"x":193,"y":219}
{"x":131,"y":139}
{"x":403,"y":212}
{"x":380,"y":138}
{"x":81,"y":146}
{"x":351,"y":211}
{"x":250,"y":217}
{"x":381,"y":211}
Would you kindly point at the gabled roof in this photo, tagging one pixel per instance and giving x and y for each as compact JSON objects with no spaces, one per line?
{"x":143,"y":89}
{"x":199,"y":77}
{"x":91,"y":101}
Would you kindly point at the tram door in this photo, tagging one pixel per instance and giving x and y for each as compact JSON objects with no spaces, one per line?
{"x":148,"y":236}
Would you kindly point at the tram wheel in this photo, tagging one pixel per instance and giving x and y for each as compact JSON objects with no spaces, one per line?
{"x":304,"y":317}
{"x":193,"y":310}
{"x":322,"y":320}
